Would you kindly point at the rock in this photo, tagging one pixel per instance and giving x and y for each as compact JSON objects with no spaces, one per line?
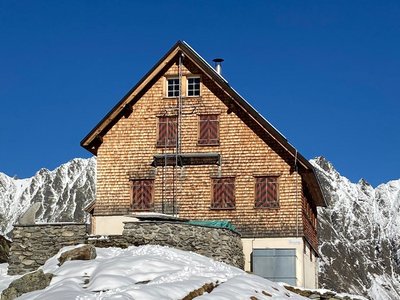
{"x":85,"y":252}
{"x":27,"y":283}
{"x":4,"y":249}
{"x":28,"y":218}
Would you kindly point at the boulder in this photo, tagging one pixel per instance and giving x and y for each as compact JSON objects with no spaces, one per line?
{"x":85,"y":252}
{"x":27,"y":283}
{"x":4,"y":249}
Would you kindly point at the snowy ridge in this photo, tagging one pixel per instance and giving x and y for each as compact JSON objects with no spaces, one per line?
{"x":359,"y":235}
{"x":359,"y":230}
{"x":63,"y":193}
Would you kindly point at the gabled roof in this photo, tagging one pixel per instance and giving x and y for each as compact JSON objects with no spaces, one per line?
{"x":93,"y":140}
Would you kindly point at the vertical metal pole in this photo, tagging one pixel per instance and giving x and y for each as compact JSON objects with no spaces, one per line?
{"x":179,"y":132}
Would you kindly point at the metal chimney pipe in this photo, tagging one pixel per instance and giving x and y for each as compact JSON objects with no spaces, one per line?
{"x":218,"y":67}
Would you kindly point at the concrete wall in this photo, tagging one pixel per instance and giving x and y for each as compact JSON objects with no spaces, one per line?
{"x":34,"y":244}
{"x":109,"y":225}
{"x":306,"y":269}
{"x":220,"y":244}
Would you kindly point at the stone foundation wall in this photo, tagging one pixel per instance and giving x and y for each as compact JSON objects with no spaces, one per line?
{"x":217,"y":243}
{"x":34,"y":244}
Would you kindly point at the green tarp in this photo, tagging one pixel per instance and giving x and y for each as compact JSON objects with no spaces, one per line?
{"x":214,"y":223}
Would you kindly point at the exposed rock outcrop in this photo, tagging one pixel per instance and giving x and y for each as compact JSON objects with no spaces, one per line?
{"x":4,"y":249}
{"x":61,"y":193}
{"x":322,"y":294}
{"x":84,"y":252}
{"x":28,"y":283}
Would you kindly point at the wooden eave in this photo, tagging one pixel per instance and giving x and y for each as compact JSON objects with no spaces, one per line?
{"x":93,"y":140}
{"x":90,"y":207}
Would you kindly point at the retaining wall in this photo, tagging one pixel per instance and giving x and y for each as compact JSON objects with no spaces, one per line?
{"x":32,"y":245}
{"x":217,"y":243}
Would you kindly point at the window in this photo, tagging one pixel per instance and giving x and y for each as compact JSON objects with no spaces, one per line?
{"x":266,"y":195}
{"x":173,"y":87}
{"x":193,"y":86}
{"x":142,"y":194}
{"x":223,"y":194}
{"x":208,"y":130}
{"x":167,"y":127}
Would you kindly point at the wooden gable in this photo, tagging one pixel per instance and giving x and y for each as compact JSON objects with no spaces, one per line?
{"x":233,"y":101}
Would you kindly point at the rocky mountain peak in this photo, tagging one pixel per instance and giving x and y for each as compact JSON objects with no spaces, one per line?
{"x":62,"y":193}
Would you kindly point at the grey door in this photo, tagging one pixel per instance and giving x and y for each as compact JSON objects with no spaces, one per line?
{"x":275,"y":264}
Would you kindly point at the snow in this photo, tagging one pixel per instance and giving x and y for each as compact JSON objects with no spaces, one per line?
{"x":5,"y":279}
{"x":149,"y":272}
{"x":61,"y":192}
{"x":360,"y":233}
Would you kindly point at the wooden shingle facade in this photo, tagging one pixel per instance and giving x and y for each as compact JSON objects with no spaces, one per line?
{"x":183,"y":142}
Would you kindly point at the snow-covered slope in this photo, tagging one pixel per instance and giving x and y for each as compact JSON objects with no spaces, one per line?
{"x":62,"y":193}
{"x":359,"y":235}
{"x":152,"y":273}
{"x":359,"y":231}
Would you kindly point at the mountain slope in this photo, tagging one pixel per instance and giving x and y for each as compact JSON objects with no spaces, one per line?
{"x":359,"y":235}
{"x":63,"y":193}
{"x":359,"y":230}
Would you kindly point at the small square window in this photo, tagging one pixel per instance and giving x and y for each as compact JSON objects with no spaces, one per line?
{"x":173,"y":87}
{"x":193,"y":85}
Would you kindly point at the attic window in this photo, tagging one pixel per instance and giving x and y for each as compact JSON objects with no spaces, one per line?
{"x":266,"y":192}
{"x":193,"y":86}
{"x":223,"y":193}
{"x":173,"y":87}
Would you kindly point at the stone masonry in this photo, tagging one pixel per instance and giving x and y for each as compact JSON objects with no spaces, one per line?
{"x":33,"y":244}
{"x":217,"y":243}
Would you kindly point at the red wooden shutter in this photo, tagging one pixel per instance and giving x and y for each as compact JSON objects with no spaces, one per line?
{"x":223,"y":193}
{"x":266,"y":192}
{"x":209,"y":130}
{"x":167,"y":127}
{"x":142,"y":194}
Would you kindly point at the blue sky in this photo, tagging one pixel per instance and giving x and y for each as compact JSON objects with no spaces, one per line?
{"x":325,"y":73}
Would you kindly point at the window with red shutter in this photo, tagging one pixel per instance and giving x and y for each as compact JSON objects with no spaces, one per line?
{"x":167,"y":131}
{"x":208,"y":130}
{"x":266,"y":193}
{"x":223,"y":194}
{"x":142,"y":194}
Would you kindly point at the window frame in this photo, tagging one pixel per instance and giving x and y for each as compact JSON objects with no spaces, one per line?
{"x":164,"y":143}
{"x":266,"y":201}
{"x":187,"y":86}
{"x":167,"y":85}
{"x":233,"y":183}
{"x":208,"y":140}
{"x":149,"y":207}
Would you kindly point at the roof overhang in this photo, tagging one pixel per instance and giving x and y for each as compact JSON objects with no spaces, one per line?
{"x":124,"y":107}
